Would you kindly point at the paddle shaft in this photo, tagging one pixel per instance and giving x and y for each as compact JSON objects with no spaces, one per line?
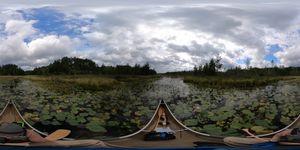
{"x":254,"y":136}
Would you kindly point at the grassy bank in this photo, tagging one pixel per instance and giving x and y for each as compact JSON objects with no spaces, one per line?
{"x":233,"y":82}
{"x":65,"y":83}
{"x":70,"y":83}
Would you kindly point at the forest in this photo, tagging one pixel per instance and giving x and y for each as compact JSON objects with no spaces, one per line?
{"x":79,"y":66}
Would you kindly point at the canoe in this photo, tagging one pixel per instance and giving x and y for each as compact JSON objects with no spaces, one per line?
{"x":11,"y":114}
{"x":248,"y":141}
{"x":185,"y":137}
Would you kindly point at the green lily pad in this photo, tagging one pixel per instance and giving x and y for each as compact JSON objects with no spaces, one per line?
{"x":45,"y":117}
{"x":262,"y":123}
{"x":112,"y":123}
{"x":95,"y":127}
{"x":260,"y":130}
{"x":212,"y":129}
{"x":191,"y":122}
{"x":60,"y":116}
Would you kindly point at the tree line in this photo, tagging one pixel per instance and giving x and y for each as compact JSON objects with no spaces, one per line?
{"x":11,"y":69}
{"x":78,"y":66}
{"x":209,"y":69}
{"x":213,"y":67}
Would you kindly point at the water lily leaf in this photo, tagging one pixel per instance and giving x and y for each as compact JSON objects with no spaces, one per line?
{"x":247,"y":112}
{"x":95,"y":127}
{"x":55,"y":122}
{"x":191,"y":122}
{"x":31,"y":116}
{"x":60,"y":116}
{"x":285,"y":120}
{"x":45,"y":117}
{"x":212,"y":129}
{"x":260,"y":130}
{"x":72,"y":120}
{"x":263,"y":123}
{"x":112,"y":123}
{"x":231,"y":132}
{"x":137,"y":113}
{"x":236,"y":125}
{"x":83,"y":114}
{"x":127,"y":114}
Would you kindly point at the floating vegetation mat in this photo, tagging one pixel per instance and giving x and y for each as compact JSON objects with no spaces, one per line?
{"x":129,"y":105}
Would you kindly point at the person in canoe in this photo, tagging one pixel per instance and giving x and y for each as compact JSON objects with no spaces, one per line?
{"x":163,"y":125}
{"x":285,"y":137}
{"x":161,"y":131}
{"x":287,"y":132}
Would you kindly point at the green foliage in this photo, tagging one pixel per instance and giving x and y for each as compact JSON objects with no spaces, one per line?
{"x":236,"y":124}
{"x":60,"y":116}
{"x":191,"y":122}
{"x":222,"y":113}
{"x":130,"y":104}
{"x":69,"y":66}
{"x":77,"y":66}
{"x":11,"y":69}
{"x":212,"y":129}
{"x":231,"y":82}
{"x":209,"y":69}
{"x":263,"y":123}
{"x":96,"y":125}
{"x":127,"y":70}
{"x":260,"y":130}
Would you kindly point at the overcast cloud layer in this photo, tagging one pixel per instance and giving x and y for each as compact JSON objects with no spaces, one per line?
{"x":170,"y":35}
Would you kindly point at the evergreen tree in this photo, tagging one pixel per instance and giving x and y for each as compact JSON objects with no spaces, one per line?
{"x":11,"y":69}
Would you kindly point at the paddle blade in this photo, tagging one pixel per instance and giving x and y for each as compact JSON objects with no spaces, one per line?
{"x":58,"y":134}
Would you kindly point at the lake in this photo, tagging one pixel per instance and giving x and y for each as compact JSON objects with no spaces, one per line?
{"x":130,"y":105}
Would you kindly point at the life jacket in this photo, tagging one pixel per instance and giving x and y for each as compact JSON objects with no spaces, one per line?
{"x":159,"y":136}
{"x":12,"y":133}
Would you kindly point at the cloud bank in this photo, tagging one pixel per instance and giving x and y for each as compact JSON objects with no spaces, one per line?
{"x":170,"y":35}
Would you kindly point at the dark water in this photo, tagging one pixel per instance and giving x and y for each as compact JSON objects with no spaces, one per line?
{"x":127,"y":108}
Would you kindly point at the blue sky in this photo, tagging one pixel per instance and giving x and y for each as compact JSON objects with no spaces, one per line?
{"x":272,"y":50}
{"x":51,"y":21}
{"x":171,"y":35}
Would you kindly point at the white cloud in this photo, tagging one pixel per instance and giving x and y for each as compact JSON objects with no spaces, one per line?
{"x":41,"y":50}
{"x":170,"y":35}
{"x":20,"y":28}
{"x":290,"y":56}
{"x":52,"y":46}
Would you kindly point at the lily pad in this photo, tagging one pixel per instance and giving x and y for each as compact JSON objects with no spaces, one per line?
{"x":95,"y":127}
{"x":191,"y":122}
{"x":212,"y":129}
{"x":260,"y":130}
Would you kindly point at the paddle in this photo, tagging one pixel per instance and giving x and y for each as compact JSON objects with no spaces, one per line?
{"x":58,"y":134}
{"x":254,"y":136}
{"x":266,"y":143}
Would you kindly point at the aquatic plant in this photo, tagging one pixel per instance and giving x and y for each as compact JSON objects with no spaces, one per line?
{"x":129,"y":104}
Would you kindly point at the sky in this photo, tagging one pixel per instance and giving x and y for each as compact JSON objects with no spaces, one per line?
{"x":171,"y":35}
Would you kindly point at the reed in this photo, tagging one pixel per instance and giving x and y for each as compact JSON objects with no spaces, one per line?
{"x":233,"y":82}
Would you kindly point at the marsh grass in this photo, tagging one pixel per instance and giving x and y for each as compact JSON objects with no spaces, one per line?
{"x":66,"y":84}
{"x":138,"y":78}
{"x":234,"y":82}
{"x":71,"y":83}
{"x":7,"y":78}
